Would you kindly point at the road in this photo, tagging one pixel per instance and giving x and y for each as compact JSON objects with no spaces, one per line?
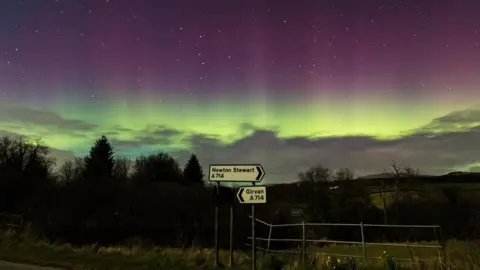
{"x":17,"y":266}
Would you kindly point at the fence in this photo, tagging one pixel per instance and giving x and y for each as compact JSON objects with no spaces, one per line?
{"x":303,"y":251}
{"x":11,"y":220}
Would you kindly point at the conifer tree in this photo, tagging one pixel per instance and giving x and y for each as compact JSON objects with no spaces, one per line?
{"x":100,"y":162}
{"x":193,"y":172}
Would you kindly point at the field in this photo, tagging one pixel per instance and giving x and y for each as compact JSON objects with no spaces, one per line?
{"x":27,"y":249}
{"x":457,"y":255}
{"x":465,"y":185}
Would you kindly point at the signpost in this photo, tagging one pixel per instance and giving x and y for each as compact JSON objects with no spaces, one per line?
{"x":252,"y":195}
{"x":236,"y":173}
{"x":246,"y":195}
{"x":254,"y":238}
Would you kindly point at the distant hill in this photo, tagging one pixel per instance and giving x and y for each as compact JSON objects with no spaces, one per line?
{"x":466,"y":179}
{"x":461,"y":181}
{"x":464,"y":173}
{"x":386,"y":175}
{"x":461,"y":175}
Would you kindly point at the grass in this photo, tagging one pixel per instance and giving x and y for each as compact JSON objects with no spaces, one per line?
{"x":25,"y":248}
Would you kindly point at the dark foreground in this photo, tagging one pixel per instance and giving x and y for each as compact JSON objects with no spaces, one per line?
{"x":18,"y":266}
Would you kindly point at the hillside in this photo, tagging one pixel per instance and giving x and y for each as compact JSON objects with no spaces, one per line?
{"x":465,"y":179}
{"x":467,"y":183}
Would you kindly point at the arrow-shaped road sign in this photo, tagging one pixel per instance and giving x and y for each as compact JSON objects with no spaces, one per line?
{"x":252,"y":195}
{"x":236,"y":173}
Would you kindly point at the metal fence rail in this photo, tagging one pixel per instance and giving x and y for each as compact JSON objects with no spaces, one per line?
{"x":303,"y":240}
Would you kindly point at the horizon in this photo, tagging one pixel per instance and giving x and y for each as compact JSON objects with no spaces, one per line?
{"x":344,"y":85}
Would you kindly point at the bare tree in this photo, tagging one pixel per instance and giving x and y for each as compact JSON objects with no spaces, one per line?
{"x":383,"y":198}
{"x":343,"y":174}
{"x":122,"y":168}
{"x":25,"y":169}
{"x":315,"y":192}
{"x":400,"y":174}
{"x":159,"y":167}
{"x":395,"y":172}
{"x":409,"y":174}
{"x":72,"y":169}
{"x":66,"y":171}
{"x":316,"y":174}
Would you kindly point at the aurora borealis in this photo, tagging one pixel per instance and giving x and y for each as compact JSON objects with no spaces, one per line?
{"x":287,"y":84}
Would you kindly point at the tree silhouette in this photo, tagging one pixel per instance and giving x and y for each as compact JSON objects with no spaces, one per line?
{"x":121,"y":169}
{"x":149,"y":200}
{"x":343,"y":174}
{"x":99,"y":164}
{"x":156,"y":168}
{"x":25,"y":171}
{"x":193,"y":172}
{"x":315,"y":192}
{"x":71,"y":170}
{"x":316,"y":174}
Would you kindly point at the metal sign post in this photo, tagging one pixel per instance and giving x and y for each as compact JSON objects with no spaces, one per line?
{"x":246,"y":195}
{"x":216,"y":224}
{"x":231,"y":235}
{"x":254,"y":248}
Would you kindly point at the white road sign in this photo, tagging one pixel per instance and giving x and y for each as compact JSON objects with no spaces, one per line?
{"x":252,"y":195}
{"x":236,"y":173}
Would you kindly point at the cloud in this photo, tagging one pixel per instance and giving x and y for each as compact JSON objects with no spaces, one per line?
{"x":11,"y":112}
{"x":284,"y":158}
{"x":446,"y":144}
{"x":153,"y":135}
{"x":5,"y":133}
{"x":455,"y":121}
{"x":474,"y":169}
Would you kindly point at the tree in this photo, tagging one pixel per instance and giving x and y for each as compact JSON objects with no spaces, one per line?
{"x":400,"y":176}
{"x":193,"y":172}
{"x":315,"y":192}
{"x":122,"y":168}
{"x":343,"y":174}
{"x":25,"y":170}
{"x":65,"y":172}
{"x":26,"y":178}
{"x":316,"y":174}
{"x":156,"y":168}
{"x":351,"y":199}
{"x":71,"y":170}
{"x":383,"y":197}
{"x":99,"y":164}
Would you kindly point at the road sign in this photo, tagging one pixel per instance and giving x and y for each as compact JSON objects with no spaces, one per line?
{"x":252,"y":195}
{"x":236,"y":173}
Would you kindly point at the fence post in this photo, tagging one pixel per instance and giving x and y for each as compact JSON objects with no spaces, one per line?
{"x":254,"y":248}
{"x":441,"y":250}
{"x":363,"y":243}
{"x":304,"y":246}
{"x":269,"y":237}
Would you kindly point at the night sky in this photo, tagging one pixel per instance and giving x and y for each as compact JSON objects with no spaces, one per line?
{"x":287,"y":84}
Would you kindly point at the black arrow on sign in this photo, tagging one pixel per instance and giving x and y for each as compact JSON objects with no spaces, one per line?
{"x":260,"y":173}
{"x":239,"y":195}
